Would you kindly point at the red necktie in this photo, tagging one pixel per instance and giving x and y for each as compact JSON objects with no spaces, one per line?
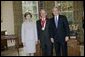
{"x":42,"y":23}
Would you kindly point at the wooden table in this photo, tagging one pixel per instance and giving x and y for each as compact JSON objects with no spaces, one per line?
{"x":73,"y":47}
{"x":11,"y":37}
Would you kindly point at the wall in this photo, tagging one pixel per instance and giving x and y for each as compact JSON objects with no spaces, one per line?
{"x":18,"y":18}
{"x":78,"y":14}
{"x":7,"y":17}
{"x":48,"y":5}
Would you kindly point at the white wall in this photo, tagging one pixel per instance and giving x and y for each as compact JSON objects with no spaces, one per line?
{"x":7,"y":17}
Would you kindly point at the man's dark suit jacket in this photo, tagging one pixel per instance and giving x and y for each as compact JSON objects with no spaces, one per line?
{"x":43,"y":36}
{"x":61,"y":31}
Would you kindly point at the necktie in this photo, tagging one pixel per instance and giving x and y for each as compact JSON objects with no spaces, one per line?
{"x":42,"y":23}
{"x":56,"y":22}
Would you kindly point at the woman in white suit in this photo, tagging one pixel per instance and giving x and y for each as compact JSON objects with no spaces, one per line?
{"x":29,"y":35}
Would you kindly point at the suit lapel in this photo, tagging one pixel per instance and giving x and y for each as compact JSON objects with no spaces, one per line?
{"x":40,"y":24}
{"x":59,"y":21}
{"x":46,"y":24}
{"x":54,"y":22}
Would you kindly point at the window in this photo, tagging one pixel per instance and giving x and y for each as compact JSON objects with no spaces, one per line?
{"x":32,"y":7}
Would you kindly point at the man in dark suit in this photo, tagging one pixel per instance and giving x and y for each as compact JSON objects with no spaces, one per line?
{"x":59,"y":32}
{"x":43,"y":34}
